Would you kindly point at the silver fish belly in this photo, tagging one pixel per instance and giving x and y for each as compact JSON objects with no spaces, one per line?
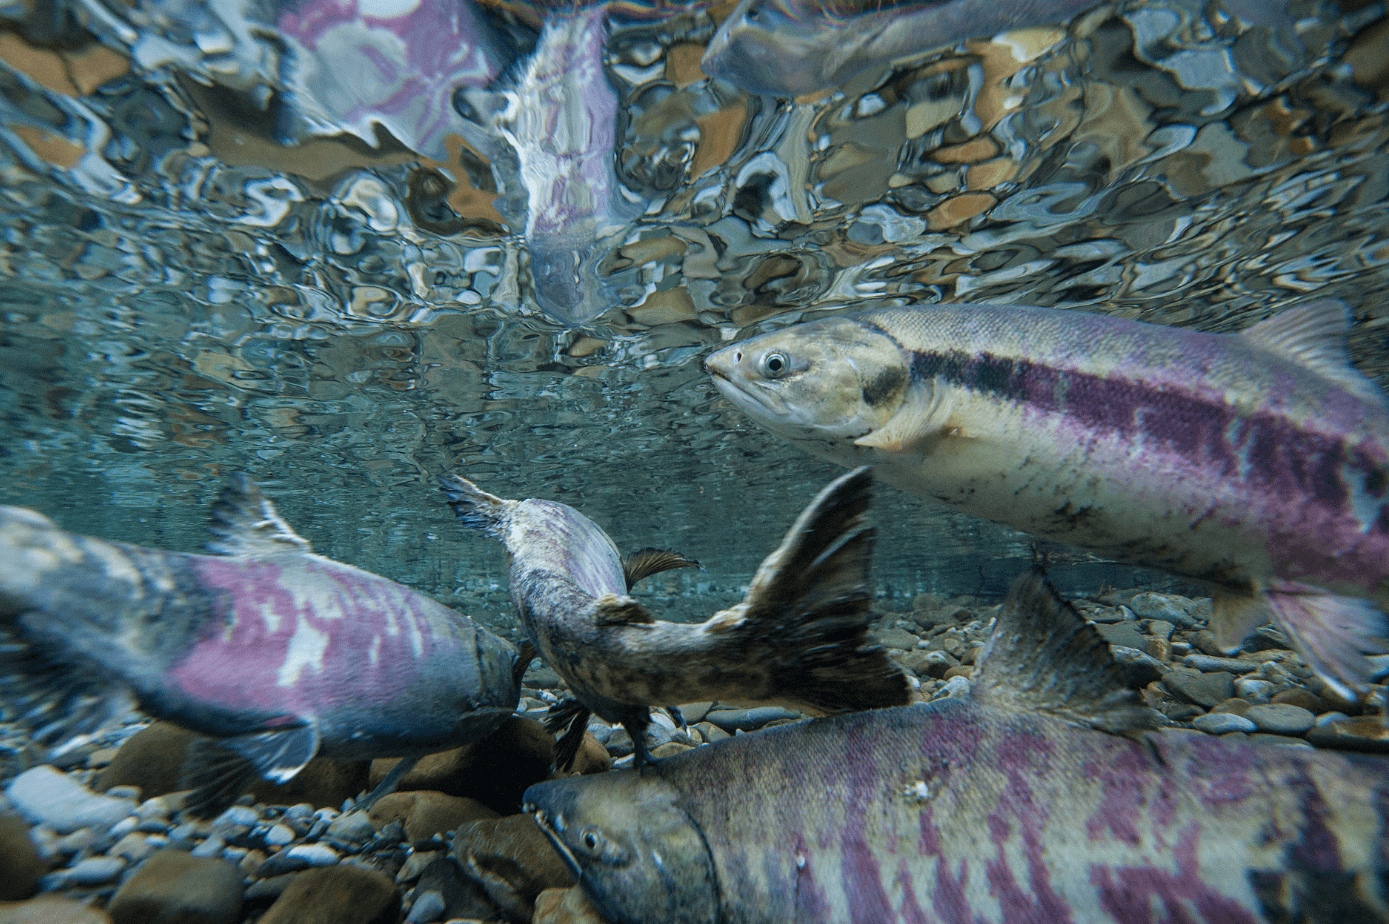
{"x":983,"y":809}
{"x":279,"y":653}
{"x":1257,"y":462}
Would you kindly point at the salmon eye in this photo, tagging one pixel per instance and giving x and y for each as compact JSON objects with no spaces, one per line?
{"x":590,"y":839}
{"x":774,"y":364}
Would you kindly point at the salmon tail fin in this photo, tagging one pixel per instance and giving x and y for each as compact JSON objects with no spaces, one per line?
{"x":61,"y":705}
{"x":805,"y":618}
{"x":648,"y":561}
{"x":1043,"y":656}
{"x":474,"y":507}
{"x":1334,"y":634}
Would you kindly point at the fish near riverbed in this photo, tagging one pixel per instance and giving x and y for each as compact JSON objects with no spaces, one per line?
{"x":281,"y":654}
{"x":1002,"y":806}
{"x":799,"y":637}
{"x":1256,"y":463}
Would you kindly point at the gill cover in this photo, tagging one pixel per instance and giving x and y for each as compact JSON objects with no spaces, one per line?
{"x":637,"y":854}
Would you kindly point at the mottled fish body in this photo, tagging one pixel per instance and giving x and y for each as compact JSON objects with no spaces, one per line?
{"x":983,"y":809}
{"x":280,"y":653}
{"x":797,"y":639}
{"x":797,"y":47}
{"x":1255,"y":462}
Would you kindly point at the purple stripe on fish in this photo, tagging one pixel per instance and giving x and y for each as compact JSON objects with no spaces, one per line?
{"x":1128,"y":893}
{"x":1284,"y":462}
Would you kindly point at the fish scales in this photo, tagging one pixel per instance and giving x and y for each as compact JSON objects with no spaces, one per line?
{"x":986,"y":808}
{"x":1257,"y":462}
{"x":261,"y":646}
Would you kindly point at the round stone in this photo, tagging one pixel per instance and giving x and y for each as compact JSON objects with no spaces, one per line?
{"x":1281,"y":718}
{"x":1222,"y":723}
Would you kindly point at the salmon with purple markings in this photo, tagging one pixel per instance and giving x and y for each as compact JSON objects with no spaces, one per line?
{"x":1257,"y":463}
{"x":281,"y":654}
{"x":1042,"y":796}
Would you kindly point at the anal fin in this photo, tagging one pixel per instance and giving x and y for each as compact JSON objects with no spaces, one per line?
{"x":1334,"y":634}
{"x":1234,"y":616}
{"x":614,"y":610}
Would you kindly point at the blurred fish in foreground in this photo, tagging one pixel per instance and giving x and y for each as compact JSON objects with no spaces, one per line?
{"x":281,"y":654}
{"x":1001,"y":806}
{"x":1257,"y":463}
{"x":799,"y":638}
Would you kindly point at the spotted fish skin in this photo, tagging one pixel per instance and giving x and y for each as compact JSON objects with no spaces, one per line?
{"x":982,"y":809}
{"x":270,"y":638}
{"x":1256,"y":462}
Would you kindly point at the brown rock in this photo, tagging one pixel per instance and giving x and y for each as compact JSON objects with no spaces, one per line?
{"x":512,"y":860}
{"x":172,"y":887}
{"x":670,"y":749}
{"x":1298,"y":696}
{"x":961,"y":671}
{"x":342,"y":894}
{"x":323,"y":783}
{"x":495,"y":771}
{"x":50,"y":909}
{"x":1233,"y":705}
{"x":20,"y":864}
{"x":425,"y":814}
{"x":153,"y":759}
{"x":565,"y":906}
{"x":592,"y":757}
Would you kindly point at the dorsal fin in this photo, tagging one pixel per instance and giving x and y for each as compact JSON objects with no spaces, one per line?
{"x":1042,"y":656}
{"x":1314,"y":337}
{"x":648,"y":561}
{"x":245,"y":523}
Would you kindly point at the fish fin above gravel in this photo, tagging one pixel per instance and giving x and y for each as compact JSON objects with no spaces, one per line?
{"x":1334,"y":634}
{"x":645,"y":562}
{"x":571,"y":715}
{"x":474,"y":507}
{"x":64,"y":705}
{"x":220,"y":769}
{"x":1235,"y":616}
{"x":244,"y":522}
{"x":1042,"y":656}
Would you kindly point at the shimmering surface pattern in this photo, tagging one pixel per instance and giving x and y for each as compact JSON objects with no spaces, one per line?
{"x":211,"y":263}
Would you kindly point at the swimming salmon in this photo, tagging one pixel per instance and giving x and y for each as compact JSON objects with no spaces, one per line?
{"x":281,"y":654}
{"x":996,"y":807}
{"x":1256,"y":462}
{"x":799,"y":638}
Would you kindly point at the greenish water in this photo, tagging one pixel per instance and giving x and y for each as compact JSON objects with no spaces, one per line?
{"x":193,"y":283}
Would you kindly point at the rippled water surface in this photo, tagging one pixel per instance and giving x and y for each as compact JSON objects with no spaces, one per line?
{"x":314,"y":244}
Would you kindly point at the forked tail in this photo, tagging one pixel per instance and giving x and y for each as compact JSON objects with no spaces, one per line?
{"x":475,"y":508}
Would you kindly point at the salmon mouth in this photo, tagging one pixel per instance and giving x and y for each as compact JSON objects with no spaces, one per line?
{"x":552,"y":830}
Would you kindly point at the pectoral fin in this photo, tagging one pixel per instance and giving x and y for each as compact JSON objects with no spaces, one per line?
{"x":220,"y":769}
{"x":924,"y":413}
{"x":1334,"y":634}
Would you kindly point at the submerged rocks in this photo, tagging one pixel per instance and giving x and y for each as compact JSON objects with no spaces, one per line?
{"x":20,"y":863}
{"x":495,"y":771}
{"x":425,"y":813}
{"x":335,"y":895}
{"x":172,"y":887}
{"x":1281,"y":719}
{"x":48,"y":796}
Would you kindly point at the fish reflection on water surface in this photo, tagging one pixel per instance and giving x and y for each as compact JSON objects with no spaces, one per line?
{"x":1257,"y":463}
{"x":999,"y":807}
{"x":280,"y":654}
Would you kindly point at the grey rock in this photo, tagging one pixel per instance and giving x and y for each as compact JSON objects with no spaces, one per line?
{"x":280,"y":835}
{"x":1138,"y":667}
{"x":1222,"y":723}
{"x":211,"y":847}
{"x":93,"y":871}
{"x":1167,"y":607}
{"x":123,"y":827}
{"x":301,"y":810}
{"x":898,"y":638}
{"x":315,"y":854}
{"x":1210,"y":663}
{"x":1160,"y":628}
{"x":954,"y":687}
{"x":354,"y":827}
{"x":272,"y":887}
{"x":237,"y":819}
{"x":133,"y":847}
{"x":731,"y":720}
{"x":711,"y":732}
{"x":1123,"y":635}
{"x":415,"y":864}
{"x":1281,"y":719}
{"x":428,"y":907}
{"x":1255,"y":689}
{"x":695,"y":712}
{"x":1282,"y":740}
{"x":174,"y":888}
{"x":1201,"y":689}
{"x":44,"y":795}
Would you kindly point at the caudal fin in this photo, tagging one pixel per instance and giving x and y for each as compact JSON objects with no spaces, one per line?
{"x":805,"y":618}
{"x":474,"y":507}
